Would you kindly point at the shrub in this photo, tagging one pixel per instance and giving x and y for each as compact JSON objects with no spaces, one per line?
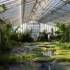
{"x":6,"y":42}
{"x":64,"y":31}
{"x":63,"y":60}
{"x":8,"y":37}
{"x":43,"y":36}
{"x":26,"y":37}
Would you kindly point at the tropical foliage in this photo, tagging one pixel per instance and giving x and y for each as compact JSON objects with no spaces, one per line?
{"x":5,"y":33}
{"x":64,"y":31}
{"x":26,"y":37}
{"x":43,"y":36}
{"x":2,"y":8}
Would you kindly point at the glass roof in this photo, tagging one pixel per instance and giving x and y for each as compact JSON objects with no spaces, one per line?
{"x":39,"y":10}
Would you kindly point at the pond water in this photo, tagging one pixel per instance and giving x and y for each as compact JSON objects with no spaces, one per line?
{"x":27,"y":48}
{"x":31,"y":66}
{"x":37,"y":65}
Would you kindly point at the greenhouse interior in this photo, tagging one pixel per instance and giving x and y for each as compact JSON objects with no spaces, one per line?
{"x":34,"y":34}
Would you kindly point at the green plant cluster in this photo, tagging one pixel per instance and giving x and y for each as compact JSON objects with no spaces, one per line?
{"x":43,"y":36}
{"x":5,"y":34}
{"x":10,"y":37}
{"x":3,"y":8}
{"x":26,"y":37}
{"x":63,"y":32}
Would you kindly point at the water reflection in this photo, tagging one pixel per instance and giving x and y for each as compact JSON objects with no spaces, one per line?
{"x":37,"y":65}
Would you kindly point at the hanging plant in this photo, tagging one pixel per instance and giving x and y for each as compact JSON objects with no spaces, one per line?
{"x":3,"y":8}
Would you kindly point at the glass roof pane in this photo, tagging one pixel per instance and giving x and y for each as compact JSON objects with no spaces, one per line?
{"x":35,"y":9}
